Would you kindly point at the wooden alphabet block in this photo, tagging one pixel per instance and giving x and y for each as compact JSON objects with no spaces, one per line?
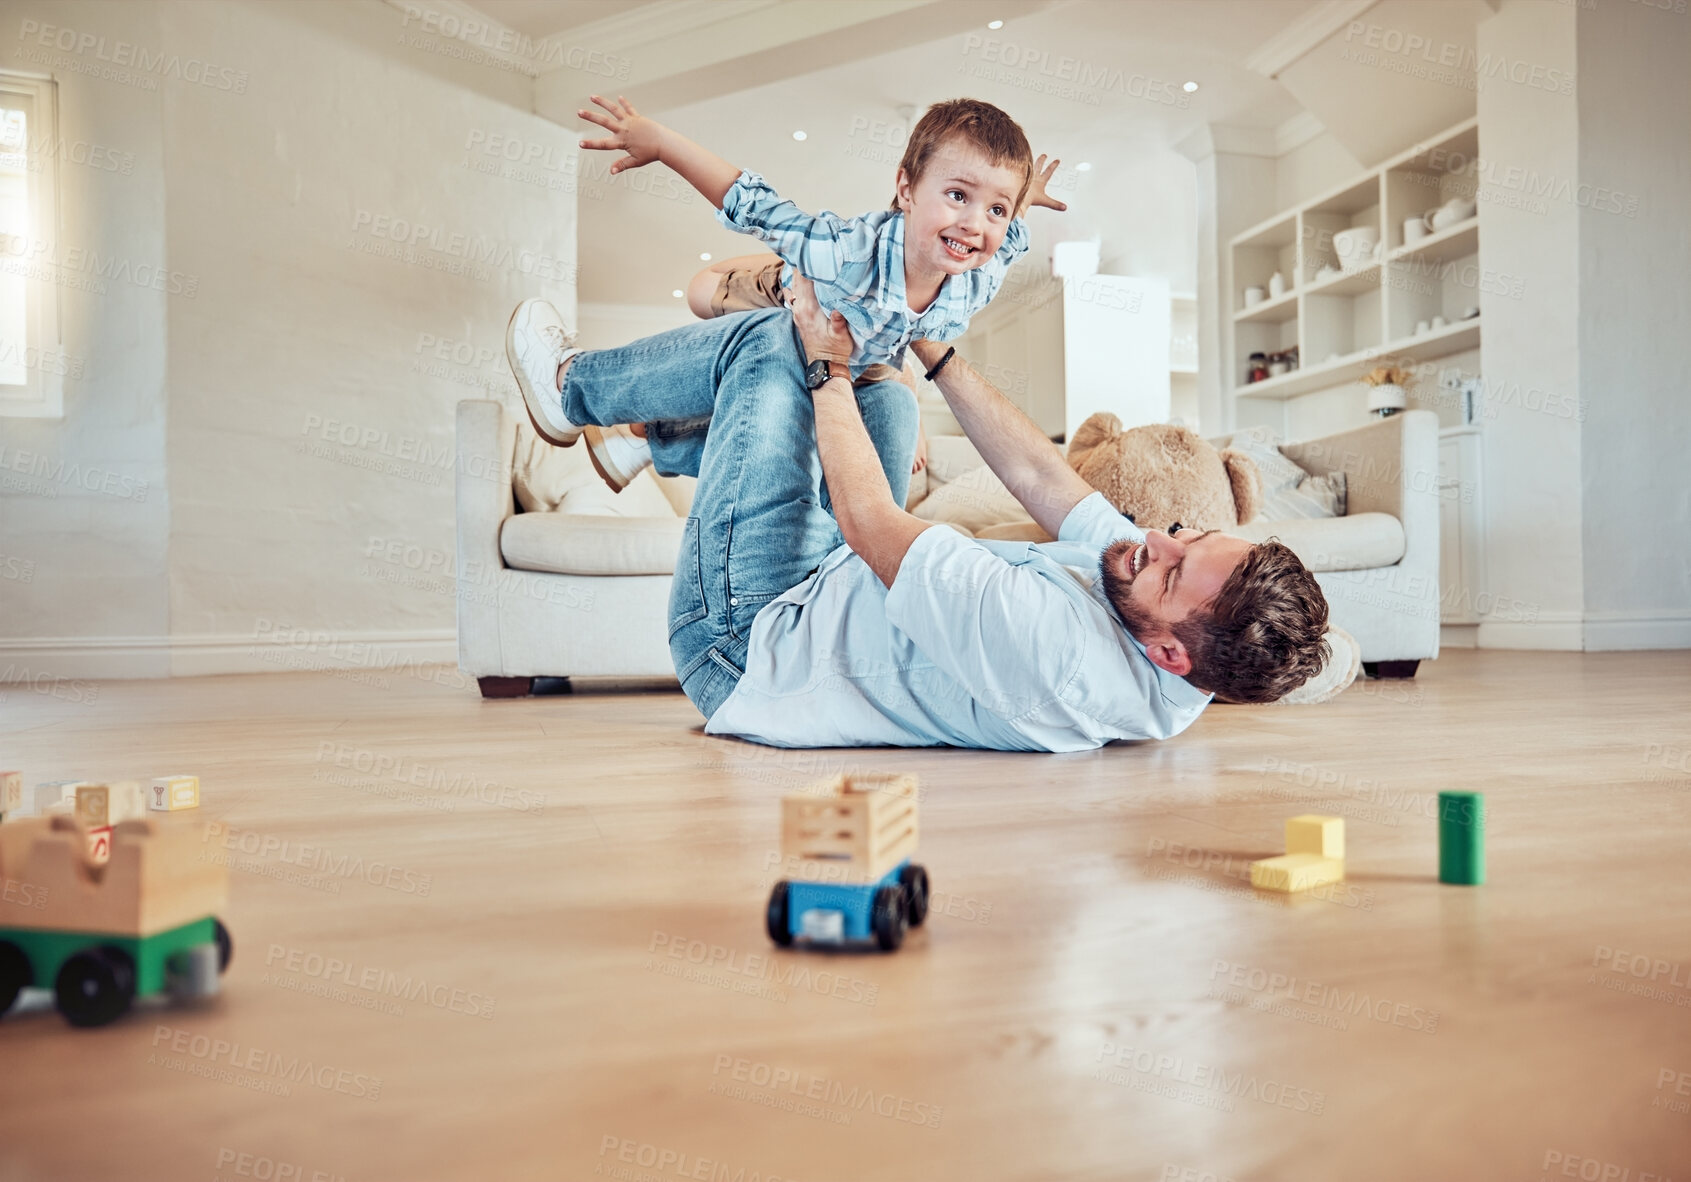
{"x":1313,"y":834}
{"x":171,"y":793}
{"x":11,"y":792}
{"x":1296,"y":872}
{"x":93,"y":806}
{"x":99,"y":844}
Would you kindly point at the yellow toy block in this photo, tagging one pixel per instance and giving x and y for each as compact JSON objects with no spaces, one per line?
{"x":170,"y":793}
{"x":1312,"y":834}
{"x":1296,"y":872}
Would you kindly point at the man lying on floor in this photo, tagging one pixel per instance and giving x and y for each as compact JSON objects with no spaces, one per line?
{"x":911,"y":634}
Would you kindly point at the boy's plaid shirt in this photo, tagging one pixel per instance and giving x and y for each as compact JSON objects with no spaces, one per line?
{"x":857,"y":265}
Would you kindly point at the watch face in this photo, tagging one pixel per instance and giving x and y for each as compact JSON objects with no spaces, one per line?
{"x":815,"y":374}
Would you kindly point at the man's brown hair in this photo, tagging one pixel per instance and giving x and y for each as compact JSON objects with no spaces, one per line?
{"x":1263,"y":635}
{"x":997,"y":135}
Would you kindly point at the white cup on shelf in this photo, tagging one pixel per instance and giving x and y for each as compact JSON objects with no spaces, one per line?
{"x":1254,"y":296}
{"x":1422,"y":327}
{"x":1415,"y":229}
{"x":1438,"y":323}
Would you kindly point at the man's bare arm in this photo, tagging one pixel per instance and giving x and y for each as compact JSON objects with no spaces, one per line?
{"x":1029,"y":464}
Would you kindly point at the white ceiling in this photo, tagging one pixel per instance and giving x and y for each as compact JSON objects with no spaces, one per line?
{"x":1079,"y":95}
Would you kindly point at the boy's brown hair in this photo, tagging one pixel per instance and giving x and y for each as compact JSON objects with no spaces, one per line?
{"x":1263,"y":635}
{"x":982,"y":125}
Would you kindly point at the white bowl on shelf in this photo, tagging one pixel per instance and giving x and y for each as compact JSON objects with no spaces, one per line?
{"x":1356,"y":247}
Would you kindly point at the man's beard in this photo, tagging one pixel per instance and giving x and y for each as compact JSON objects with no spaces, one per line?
{"x":1116,"y":590}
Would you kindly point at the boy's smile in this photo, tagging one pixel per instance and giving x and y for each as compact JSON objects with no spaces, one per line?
{"x":956,"y":217}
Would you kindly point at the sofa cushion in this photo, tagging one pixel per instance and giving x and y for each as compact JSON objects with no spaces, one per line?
{"x":1361,"y":541}
{"x":974,"y":500}
{"x":585,"y":544}
{"x":547,"y":478}
{"x":1289,"y":492}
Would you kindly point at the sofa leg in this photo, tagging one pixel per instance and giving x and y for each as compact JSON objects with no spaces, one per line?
{"x":505,"y":687}
{"x":1403,"y":669}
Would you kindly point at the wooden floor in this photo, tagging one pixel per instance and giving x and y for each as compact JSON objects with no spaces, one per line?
{"x":524,"y":940}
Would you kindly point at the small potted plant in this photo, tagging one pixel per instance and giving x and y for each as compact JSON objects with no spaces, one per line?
{"x":1388,"y":389}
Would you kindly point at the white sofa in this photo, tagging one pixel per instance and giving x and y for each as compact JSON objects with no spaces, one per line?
{"x":582,"y":591}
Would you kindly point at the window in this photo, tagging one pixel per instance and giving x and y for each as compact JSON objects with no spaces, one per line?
{"x":32,"y":363}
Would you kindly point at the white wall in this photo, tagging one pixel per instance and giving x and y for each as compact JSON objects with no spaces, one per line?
{"x":1634,"y":98}
{"x":299,"y":405}
{"x":84,"y":502}
{"x":1531,"y":457}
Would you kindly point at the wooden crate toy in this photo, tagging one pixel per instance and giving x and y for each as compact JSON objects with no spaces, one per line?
{"x":863,"y":825}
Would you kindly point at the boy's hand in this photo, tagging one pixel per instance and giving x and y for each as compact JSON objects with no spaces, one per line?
{"x":1042,"y":174}
{"x":631,"y":132}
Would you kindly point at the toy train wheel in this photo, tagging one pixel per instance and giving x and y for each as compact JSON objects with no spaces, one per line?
{"x":915,"y":881}
{"x":95,"y":986}
{"x":889,"y":917}
{"x":225,"y":945}
{"x":778,"y":918}
{"x":15,"y":973}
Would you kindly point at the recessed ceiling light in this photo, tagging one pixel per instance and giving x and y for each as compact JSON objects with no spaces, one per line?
{"x":799,"y":135}
{"x":704,"y":256}
{"x":1083,"y":166}
{"x":676,"y":293}
{"x":995,"y":24}
{"x":1189,"y":87}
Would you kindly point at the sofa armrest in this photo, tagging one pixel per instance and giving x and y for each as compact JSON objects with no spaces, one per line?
{"x":1391,"y":466}
{"x":486,"y":440}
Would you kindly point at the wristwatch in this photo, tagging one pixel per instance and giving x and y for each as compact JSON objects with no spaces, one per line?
{"x":818,"y":372}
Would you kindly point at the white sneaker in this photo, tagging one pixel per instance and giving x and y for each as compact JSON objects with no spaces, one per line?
{"x":537,"y":341}
{"x":618,"y":454}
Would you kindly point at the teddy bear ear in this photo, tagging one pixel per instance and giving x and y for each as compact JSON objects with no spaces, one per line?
{"x":1095,"y":430}
{"x":1246,"y":480}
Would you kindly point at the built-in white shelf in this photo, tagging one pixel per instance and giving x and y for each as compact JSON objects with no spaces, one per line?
{"x":1346,"y":323}
{"x":1441,"y":342}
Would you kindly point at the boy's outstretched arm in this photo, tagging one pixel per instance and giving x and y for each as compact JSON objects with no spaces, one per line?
{"x":646,"y":140}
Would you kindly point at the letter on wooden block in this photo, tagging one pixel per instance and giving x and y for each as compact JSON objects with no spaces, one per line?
{"x":1296,"y":872}
{"x":99,"y":844}
{"x":11,"y":792}
{"x":170,"y":793}
{"x":1312,"y":834}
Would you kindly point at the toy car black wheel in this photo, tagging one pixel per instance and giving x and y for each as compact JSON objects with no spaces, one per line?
{"x":95,"y":986}
{"x":778,"y":919}
{"x":15,"y":973}
{"x":915,"y":881}
{"x":889,"y":917}
{"x":225,"y":945}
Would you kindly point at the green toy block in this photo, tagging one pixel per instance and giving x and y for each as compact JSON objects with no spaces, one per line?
{"x":1462,"y":838}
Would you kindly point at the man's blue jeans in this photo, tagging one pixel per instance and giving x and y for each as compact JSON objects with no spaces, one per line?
{"x":724,"y":400}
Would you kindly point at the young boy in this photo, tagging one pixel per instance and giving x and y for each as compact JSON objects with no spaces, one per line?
{"x":920,"y":269}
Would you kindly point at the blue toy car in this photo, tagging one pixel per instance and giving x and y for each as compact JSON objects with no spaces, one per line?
{"x":836,"y":913}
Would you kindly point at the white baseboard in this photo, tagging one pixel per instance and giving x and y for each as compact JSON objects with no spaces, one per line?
{"x":132,"y":657}
{"x":1554,"y":631}
{"x":1459,"y":636}
{"x":1614,"y":631}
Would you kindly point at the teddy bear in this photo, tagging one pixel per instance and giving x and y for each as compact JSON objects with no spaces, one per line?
{"x":1160,"y":475}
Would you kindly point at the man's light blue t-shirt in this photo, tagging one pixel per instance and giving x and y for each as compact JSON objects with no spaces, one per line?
{"x":1004,"y":645}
